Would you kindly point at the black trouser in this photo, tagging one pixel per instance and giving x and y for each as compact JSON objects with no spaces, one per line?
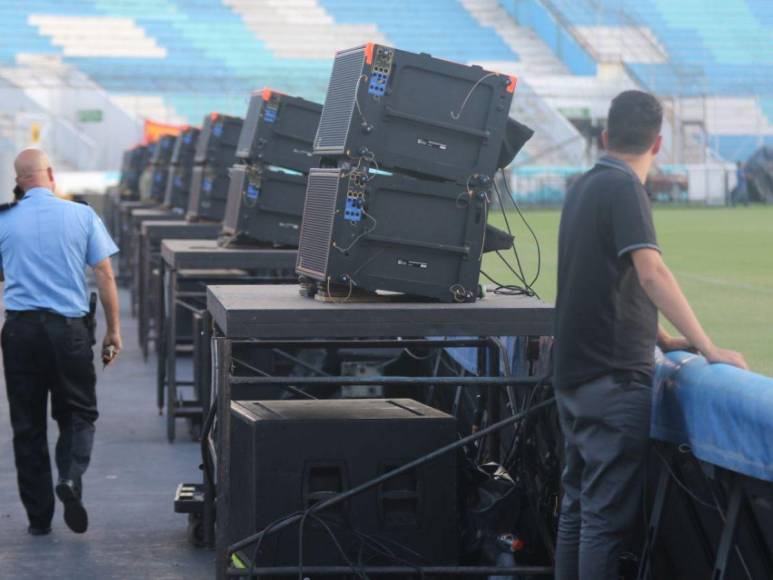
{"x":606,"y":425}
{"x":45,"y":352}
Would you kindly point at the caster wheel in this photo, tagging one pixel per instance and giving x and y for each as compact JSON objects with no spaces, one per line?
{"x":195,"y":531}
{"x":194,"y":428}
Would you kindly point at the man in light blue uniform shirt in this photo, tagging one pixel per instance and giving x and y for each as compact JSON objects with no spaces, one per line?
{"x":46,"y":243}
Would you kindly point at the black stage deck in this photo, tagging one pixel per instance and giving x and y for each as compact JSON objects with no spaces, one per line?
{"x":280,"y":312}
{"x":142,"y":214}
{"x":134,"y":532}
{"x":175,"y":229}
{"x":206,"y":254}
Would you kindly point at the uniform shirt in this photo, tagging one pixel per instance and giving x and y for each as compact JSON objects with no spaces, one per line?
{"x":45,"y":245}
{"x":604,"y":321}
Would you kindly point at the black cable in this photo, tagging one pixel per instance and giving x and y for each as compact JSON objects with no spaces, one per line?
{"x":398,"y":545}
{"x":684,"y":486}
{"x":339,"y":547}
{"x":300,"y":544}
{"x":379,"y":546}
{"x":518,"y":275}
{"x":301,"y":529}
{"x":330,"y":502}
{"x":522,"y":275}
{"x":206,"y":461}
{"x":270,"y":526}
{"x":509,"y":456}
{"x":417,"y":357}
{"x":506,"y":289}
{"x":722,"y":514}
{"x":510,"y":289}
{"x":528,"y":226}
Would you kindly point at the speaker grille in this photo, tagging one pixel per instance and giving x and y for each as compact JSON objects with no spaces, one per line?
{"x":250,"y":127}
{"x":202,"y":143}
{"x":178,"y":147}
{"x":169,"y":189}
{"x":193,"y":200}
{"x":340,"y":101}
{"x":317,"y":224}
{"x":233,"y":206}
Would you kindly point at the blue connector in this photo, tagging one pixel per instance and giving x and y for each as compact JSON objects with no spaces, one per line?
{"x":353,"y":211}
{"x":378,"y":83}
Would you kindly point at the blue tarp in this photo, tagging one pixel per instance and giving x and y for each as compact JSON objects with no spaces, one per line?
{"x":723,"y":413}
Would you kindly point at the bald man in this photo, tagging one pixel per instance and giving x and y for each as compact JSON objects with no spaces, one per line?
{"x":46,"y":243}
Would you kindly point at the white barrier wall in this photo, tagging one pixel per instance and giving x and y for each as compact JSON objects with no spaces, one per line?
{"x":710,"y":183}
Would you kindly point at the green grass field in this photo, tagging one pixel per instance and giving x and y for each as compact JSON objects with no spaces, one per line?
{"x":722,"y":257}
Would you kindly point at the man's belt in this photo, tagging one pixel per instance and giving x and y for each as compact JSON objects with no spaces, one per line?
{"x":43,"y":316}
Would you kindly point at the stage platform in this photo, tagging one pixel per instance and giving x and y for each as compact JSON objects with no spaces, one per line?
{"x":251,"y":318}
{"x":134,"y":532}
{"x":280,"y":312}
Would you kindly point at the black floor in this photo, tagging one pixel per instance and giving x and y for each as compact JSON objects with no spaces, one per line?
{"x":129,"y":488}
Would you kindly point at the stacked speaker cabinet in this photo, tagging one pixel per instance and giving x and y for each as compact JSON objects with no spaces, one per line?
{"x":288,"y":455}
{"x":215,"y":154}
{"x":419,"y":237}
{"x":134,"y":162}
{"x":265,"y":206}
{"x":160,"y":164}
{"x":408,"y":147}
{"x":268,"y":184}
{"x":146,"y":173}
{"x":181,"y":169}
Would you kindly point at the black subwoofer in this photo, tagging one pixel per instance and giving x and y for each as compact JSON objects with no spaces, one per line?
{"x":288,"y":455}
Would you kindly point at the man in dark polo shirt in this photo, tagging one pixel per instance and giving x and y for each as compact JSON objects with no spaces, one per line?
{"x":611,"y":284}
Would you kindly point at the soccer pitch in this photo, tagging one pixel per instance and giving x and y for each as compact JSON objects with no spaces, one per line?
{"x":722,"y":257}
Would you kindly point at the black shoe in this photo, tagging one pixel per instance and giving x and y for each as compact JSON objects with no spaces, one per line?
{"x":38,"y":531}
{"x":75,"y":515}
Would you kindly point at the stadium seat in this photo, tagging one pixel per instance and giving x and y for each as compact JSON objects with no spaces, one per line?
{"x":195,"y":56}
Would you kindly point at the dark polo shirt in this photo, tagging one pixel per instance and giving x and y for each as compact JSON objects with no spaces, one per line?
{"x":604,"y":321}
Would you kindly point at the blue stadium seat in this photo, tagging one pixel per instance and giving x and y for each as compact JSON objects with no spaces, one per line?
{"x":442,"y":28}
{"x":208,"y":58}
{"x":718,"y":48}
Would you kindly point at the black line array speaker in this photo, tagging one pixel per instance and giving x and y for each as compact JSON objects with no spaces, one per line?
{"x":408,"y":146}
{"x":178,"y":184}
{"x":209,"y":193}
{"x":268,"y":187}
{"x":288,"y":455}
{"x":146,"y":178}
{"x":160,"y":163}
{"x":134,"y":162}
{"x":215,"y":154}
{"x":416,"y":236}
{"x":217,"y":141}
{"x":279,"y":130}
{"x":265,"y":206}
{"x":414,"y":113}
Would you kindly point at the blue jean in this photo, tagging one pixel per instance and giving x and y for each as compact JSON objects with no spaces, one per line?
{"x":606,"y":429}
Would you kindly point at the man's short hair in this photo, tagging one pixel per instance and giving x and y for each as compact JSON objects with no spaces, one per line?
{"x":634,"y":122}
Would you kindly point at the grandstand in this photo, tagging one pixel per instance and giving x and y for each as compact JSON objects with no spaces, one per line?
{"x":176,"y":60}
